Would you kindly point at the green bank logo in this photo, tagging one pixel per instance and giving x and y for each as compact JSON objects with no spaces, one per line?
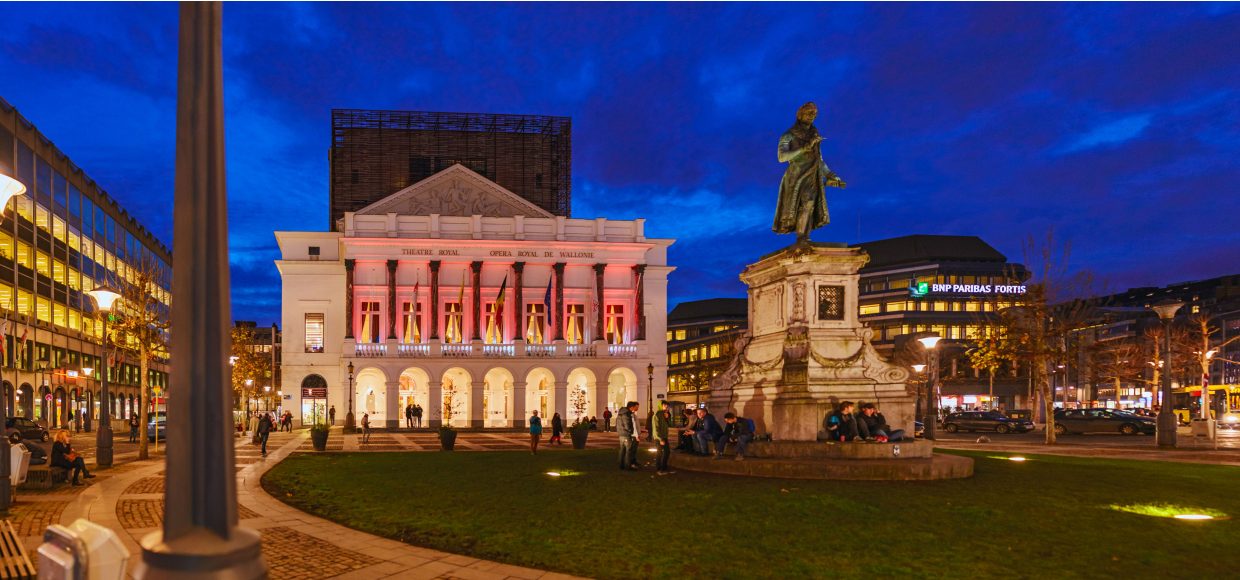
{"x":919,"y":290}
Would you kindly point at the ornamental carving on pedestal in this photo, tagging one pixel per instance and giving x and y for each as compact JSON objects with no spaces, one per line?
{"x":798,"y":302}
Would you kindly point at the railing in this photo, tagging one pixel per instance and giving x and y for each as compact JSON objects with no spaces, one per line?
{"x":413,"y":349}
{"x":540,"y":350}
{"x":622,"y":350}
{"x":458,"y":350}
{"x":498,"y":350}
{"x":581,"y":350}
{"x":369,"y":350}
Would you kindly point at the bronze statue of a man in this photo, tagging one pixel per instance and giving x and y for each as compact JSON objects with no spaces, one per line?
{"x":802,"y":206}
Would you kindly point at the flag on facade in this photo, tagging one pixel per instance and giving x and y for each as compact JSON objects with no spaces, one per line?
{"x":4,"y":344}
{"x":22,"y":342}
{"x":412,"y":331}
{"x":495,"y":326}
{"x":365,"y":323}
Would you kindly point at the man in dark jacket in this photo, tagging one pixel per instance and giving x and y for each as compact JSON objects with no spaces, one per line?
{"x":662,"y":425}
{"x":872,"y":425}
{"x":626,"y":427}
{"x":264,"y":430}
{"x":706,"y":430}
{"x":736,"y":430}
{"x":842,"y":425}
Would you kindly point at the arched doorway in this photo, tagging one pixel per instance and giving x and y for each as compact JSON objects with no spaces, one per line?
{"x":540,"y":394}
{"x":371,"y":391}
{"x":25,"y":396}
{"x":415,"y":390}
{"x":60,"y":408}
{"x":43,"y":407}
{"x":621,"y":388}
{"x":580,"y":394}
{"x":457,"y":391}
{"x":313,"y":400}
{"x":497,"y":398}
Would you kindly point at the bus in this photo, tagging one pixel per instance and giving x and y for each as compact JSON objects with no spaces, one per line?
{"x":1224,"y":404}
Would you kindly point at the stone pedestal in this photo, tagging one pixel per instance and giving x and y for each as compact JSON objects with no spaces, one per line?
{"x":805,"y":350}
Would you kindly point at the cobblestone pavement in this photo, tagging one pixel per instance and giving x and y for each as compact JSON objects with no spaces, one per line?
{"x":129,"y":498}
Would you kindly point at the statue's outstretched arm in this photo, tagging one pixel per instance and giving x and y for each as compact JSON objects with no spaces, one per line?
{"x":786,"y":153}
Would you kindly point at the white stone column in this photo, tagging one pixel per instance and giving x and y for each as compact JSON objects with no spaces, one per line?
{"x":200,"y":537}
{"x":561,"y":400}
{"x":392,"y":412}
{"x":433,"y":414}
{"x":600,"y":399}
{"x":518,"y":405}
{"x":477,"y":411}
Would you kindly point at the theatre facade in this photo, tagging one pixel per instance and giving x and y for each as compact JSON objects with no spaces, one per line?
{"x":462,"y":297}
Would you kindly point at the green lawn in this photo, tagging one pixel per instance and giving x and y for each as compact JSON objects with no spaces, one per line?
{"x":1047,"y":517}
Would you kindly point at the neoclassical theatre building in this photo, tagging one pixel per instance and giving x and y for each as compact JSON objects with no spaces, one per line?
{"x":461,"y":296}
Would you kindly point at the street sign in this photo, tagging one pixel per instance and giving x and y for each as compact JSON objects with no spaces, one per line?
{"x":48,"y":397}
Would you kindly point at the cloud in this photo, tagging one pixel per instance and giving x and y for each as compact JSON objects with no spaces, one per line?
{"x":1112,"y":133}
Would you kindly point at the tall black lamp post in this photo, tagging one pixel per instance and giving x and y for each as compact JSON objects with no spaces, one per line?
{"x":349,"y":424}
{"x":649,"y":401}
{"x":1167,"y":423}
{"x":104,"y":298}
{"x":917,"y":412}
{"x":9,"y":188}
{"x":931,"y":417}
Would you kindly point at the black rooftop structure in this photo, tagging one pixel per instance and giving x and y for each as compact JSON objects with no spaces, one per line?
{"x":929,"y":248}
{"x":711,"y":309}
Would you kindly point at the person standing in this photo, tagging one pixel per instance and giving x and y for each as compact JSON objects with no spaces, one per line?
{"x":331,"y":415}
{"x":365,"y":427}
{"x":626,"y":427}
{"x":662,"y":425}
{"x":607,"y":419}
{"x":417,"y":415}
{"x":535,"y":432}
{"x":557,"y":430}
{"x":265,"y":425}
{"x":133,"y":428}
{"x":409,"y":416}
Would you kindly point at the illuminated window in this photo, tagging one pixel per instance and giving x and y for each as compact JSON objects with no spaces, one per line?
{"x":898,"y":306}
{"x":714,"y":351}
{"x":674,"y":358}
{"x":536,"y":324}
{"x":614,"y":324}
{"x":968,"y":279}
{"x":494,"y":326}
{"x":988,"y":307}
{"x":452,"y":323}
{"x":411,"y":322}
{"x":680,"y":335}
{"x":75,"y":279}
{"x":101,"y":255}
{"x":58,"y":271}
{"x":75,"y":319}
{"x":43,"y":309}
{"x":669,"y":335}
{"x":972,"y":306}
{"x":867,"y":309}
{"x":58,"y":228}
{"x":59,"y":315}
{"x":23,"y":255}
{"x":693,"y":355}
{"x":314,"y":332}
{"x":41,"y":264}
{"x":370,"y":322}
{"x":940,"y":306}
{"x":75,"y":240}
{"x":6,"y":246}
{"x":25,"y":207}
{"x":575,"y":319}
{"x":42,"y":218}
{"x":24,"y":302}
{"x":6,"y":298}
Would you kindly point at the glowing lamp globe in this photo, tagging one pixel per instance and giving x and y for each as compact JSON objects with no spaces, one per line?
{"x":930,"y":341}
{"x":9,"y":188}
{"x":105,"y":297}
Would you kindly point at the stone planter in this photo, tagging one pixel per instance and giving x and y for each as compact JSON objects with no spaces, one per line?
{"x":579,"y":437}
{"x":447,"y":440}
{"x":319,"y":439}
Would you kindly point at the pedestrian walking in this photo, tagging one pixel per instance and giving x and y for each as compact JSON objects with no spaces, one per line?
{"x":365,"y":427}
{"x":133,"y":428}
{"x":557,"y":430}
{"x":535,"y":432}
{"x":626,"y":427}
{"x":265,"y":425}
{"x":662,"y":425}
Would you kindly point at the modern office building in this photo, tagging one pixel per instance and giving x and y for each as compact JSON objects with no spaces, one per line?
{"x":265,"y":343}
{"x":474,"y":302}
{"x":700,"y":337}
{"x":64,"y":237}
{"x":376,"y":153}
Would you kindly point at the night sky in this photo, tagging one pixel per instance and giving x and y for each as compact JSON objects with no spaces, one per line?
{"x":1116,"y":125}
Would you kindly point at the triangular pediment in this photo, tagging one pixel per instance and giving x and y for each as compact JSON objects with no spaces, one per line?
{"x":455,"y":191}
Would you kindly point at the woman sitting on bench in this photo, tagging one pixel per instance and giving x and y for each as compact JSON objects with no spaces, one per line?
{"x":64,"y":456}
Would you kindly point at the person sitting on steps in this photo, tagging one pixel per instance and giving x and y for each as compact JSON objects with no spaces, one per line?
{"x":735,"y":430}
{"x":842,"y":425}
{"x":873,"y":425}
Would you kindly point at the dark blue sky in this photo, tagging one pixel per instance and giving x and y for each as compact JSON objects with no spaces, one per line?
{"x":1118,"y":125}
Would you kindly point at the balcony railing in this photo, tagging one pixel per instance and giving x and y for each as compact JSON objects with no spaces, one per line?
{"x":413,"y":350}
{"x":458,"y":350}
{"x":622,"y":350}
{"x":540,"y":350}
{"x":581,"y":350}
{"x":368,"y":350}
{"x":498,"y":350}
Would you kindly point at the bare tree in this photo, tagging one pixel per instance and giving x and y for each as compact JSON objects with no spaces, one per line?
{"x":140,"y":325}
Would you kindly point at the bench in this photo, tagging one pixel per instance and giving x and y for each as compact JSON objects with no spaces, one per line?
{"x":46,"y":478}
{"x":14,"y":562}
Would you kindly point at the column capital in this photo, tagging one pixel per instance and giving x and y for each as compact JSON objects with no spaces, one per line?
{"x":349,"y":263}
{"x":559,"y":267}
{"x":518,"y":266}
{"x":435,"y":265}
{"x":391,"y":265}
{"x":476,"y":266}
{"x":599,"y":268}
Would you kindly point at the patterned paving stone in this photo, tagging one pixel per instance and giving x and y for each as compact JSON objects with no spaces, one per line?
{"x":149,"y":513}
{"x":146,"y":485}
{"x":30,"y":518}
{"x":286,"y":550}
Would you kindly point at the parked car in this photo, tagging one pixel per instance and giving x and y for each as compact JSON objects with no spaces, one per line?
{"x":157,"y":426}
{"x":18,"y":428}
{"x":1102,"y":421}
{"x":985,"y":421}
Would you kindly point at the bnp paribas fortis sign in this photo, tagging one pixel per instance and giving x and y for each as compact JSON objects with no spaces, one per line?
{"x":923,"y":289}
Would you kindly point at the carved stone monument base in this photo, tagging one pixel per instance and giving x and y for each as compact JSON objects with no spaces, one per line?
{"x":806,"y":350}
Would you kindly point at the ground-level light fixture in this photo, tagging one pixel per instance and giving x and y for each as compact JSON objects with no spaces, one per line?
{"x":553,"y":473}
{"x":1194,"y":517}
{"x":919,"y":368}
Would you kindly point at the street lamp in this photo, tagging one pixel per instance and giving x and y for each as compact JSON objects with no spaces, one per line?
{"x":267,"y":396}
{"x":917,"y":412}
{"x":931,"y":416}
{"x":649,"y":401}
{"x":349,"y":424}
{"x":1167,"y":422}
{"x":104,"y":298}
{"x":86,"y":375}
